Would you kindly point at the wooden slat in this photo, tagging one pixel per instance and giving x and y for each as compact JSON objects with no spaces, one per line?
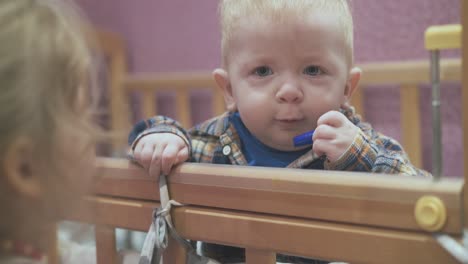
{"x":109,"y":42}
{"x":119,"y":103}
{"x":390,"y":72}
{"x":410,"y":72}
{"x":464,"y":19}
{"x":174,"y":253}
{"x":105,"y":244}
{"x":131,"y":214}
{"x":101,"y":210}
{"x":52,"y":253}
{"x":255,"y":256}
{"x":359,"y":198}
{"x":450,"y":70}
{"x":357,"y":100}
{"x":218,"y":102}
{"x":308,"y":238}
{"x":113,"y":48}
{"x":148,"y":104}
{"x":170,"y":81}
{"x":411,"y":122}
{"x":183,"y":108}
{"x":121,"y":178}
{"x":125,"y":187}
{"x":295,"y":236}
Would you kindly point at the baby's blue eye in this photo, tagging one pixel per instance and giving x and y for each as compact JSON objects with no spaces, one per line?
{"x":263,"y":71}
{"x":312,"y":70}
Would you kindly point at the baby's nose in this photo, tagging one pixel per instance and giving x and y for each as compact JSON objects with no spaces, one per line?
{"x":289,"y":93}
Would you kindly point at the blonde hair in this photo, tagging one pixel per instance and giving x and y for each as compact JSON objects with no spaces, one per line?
{"x":45,"y":68}
{"x":233,"y":11}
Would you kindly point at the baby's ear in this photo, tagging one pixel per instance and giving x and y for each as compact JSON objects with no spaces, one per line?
{"x":352,"y":83}
{"x":20,"y":168}
{"x":222,"y":80}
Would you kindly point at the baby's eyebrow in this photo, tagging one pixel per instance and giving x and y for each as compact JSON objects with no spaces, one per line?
{"x":253,"y":63}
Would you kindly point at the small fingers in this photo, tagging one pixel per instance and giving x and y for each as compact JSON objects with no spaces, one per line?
{"x":136,"y":152}
{"x":145,"y":155}
{"x":321,"y":147}
{"x":324,"y":132}
{"x":160,"y":152}
{"x":332,"y":118}
{"x":168,"y":158}
{"x":328,"y":148}
{"x":183,"y":155}
{"x":155,"y":166}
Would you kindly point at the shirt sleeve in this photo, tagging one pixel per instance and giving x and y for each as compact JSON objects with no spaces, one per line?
{"x":374,"y":152}
{"x":157,"y":124}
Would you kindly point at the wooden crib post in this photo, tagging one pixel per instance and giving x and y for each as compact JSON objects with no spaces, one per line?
{"x":257,"y":256}
{"x":464,"y":20}
{"x":149,"y":103}
{"x":357,"y":100}
{"x":52,"y":253}
{"x":218,"y":101}
{"x":106,"y":252}
{"x":113,"y":48}
{"x":174,"y":253}
{"x":183,"y":107}
{"x":410,"y":122}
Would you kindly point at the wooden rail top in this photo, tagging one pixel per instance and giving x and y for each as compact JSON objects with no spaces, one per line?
{"x":408,"y":72}
{"x":389,"y":72}
{"x":378,"y":200}
{"x":169,"y":81}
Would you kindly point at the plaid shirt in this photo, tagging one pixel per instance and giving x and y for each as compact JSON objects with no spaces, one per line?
{"x":217,"y":141}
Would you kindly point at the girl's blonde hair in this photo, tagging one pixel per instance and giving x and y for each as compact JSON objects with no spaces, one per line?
{"x":233,"y":11}
{"x":45,"y":72}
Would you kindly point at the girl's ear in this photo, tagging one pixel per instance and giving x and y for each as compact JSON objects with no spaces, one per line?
{"x":352,"y":83}
{"x":19,"y":168}
{"x":222,"y":80}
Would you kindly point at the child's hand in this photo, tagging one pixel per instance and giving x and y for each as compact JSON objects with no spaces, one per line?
{"x":333,"y":135}
{"x":158,"y":152}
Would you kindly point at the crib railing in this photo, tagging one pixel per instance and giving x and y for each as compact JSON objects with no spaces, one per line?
{"x":359,"y":218}
{"x":353,"y":217}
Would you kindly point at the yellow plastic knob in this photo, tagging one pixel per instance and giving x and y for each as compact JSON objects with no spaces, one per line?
{"x":443,"y":37}
{"x":430,"y":213}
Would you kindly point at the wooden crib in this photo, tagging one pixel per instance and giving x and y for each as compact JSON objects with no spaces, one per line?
{"x":353,"y":217}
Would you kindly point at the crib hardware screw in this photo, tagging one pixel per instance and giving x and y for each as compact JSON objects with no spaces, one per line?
{"x":430,"y":213}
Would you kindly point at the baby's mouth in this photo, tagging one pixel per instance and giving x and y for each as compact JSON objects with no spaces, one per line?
{"x":289,"y":121}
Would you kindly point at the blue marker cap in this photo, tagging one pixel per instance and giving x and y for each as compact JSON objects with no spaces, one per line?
{"x":303,"y":139}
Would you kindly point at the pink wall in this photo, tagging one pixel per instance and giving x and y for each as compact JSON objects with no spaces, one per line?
{"x":394,"y":30}
{"x":180,"y":35}
{"x":176,"y":35}
{"x":162,"y":35}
